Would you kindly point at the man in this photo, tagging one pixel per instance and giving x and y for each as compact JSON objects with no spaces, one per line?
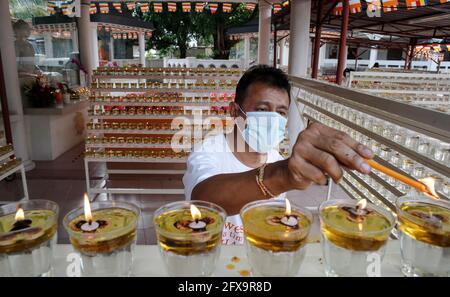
{"x":220,"y":171}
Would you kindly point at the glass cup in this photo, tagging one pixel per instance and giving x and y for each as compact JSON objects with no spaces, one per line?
{"x":275,"y":237}
{"x":424,"y":225}
{"x":441,"y":151}
{"x":27,"y":238}
{"x":368,"y":122}
{"x":412,"y":141}
{"x":388,"y":131}
{"x":108,"y":249}
{"x":408,"y":166}
{"x":418,"y":172}
{"x":399,"y":136}
{"x":352,"y":235}
{"x":424,"y":147}
{"x":377,"y":127}
{"x":189,"y":236}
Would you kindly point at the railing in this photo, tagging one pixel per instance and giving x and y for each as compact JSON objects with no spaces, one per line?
{"x":124,"y":62}
{"x":411,"y":140}
{"x":392,"y":64}
{"x":428,"y":90}
{"x":191,"y":62}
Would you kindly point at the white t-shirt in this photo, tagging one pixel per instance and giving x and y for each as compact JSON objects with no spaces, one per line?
{"x":212,"y":157}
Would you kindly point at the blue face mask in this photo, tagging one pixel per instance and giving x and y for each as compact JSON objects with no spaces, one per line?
{"x":264,"y":130}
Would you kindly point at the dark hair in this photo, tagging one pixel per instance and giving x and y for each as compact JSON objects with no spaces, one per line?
{"x":21,"y":25}
{"x":267,"y":75}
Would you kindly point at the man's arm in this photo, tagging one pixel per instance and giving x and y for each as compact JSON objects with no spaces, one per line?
{"x":234,"y":190}
{"x":318,"y":151}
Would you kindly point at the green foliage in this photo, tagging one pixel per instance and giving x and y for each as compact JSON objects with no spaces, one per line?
{"x":177,"y":29}
{"x":202,"y":56}
{"x":26,"y":9}
{"x":172,"y":29}
{"x":216,"y":26}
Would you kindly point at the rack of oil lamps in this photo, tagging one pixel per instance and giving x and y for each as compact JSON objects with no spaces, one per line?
{"x":136,"y":112}
{"x":138,"y":72}
{"x":409,"y":139}
{"x":199,"y":87}
{"x":427,"y":90}
{"x":10,"y":165}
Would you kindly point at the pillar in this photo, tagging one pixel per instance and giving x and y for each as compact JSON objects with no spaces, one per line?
{"x":111,"y":48}
{"x":299,"y":41}
{"x":48,"y":44}
{"x":84,"y":37}
{"x":282,"y":54}
{"x":322,"y":53}
{"x":298,"y":57}
{"x":75,"y":41}
{"x":265,"y":13}
{"x":410,"y":53}
{"x":317,"y":35}
{"x":342,"y":55}
{"x":373,"y":55}
{"x":141,"y":48}
{"x":285,"y":46}
{"x":94,"y":45}
{"x":11,"y":77}
{"x":246,"y":51}
{"x":275,"y":47}
{"x":299,"y":37}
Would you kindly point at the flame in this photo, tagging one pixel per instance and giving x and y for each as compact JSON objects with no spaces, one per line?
{"x":195,"y":213}
{"x":87,"y":209}
{"x":288,"y":207}
{"x":429,"y":183}
{"x":362,"y":204}
{"x":360,"y":227}
{"x":20,"y":215}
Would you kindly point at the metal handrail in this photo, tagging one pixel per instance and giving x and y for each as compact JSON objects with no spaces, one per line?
{"x":425,"y":121}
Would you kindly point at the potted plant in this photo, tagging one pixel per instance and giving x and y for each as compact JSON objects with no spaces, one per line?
{"x":40,"y":95}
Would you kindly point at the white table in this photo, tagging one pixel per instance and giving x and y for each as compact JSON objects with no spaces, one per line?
{"x":148,"y":261}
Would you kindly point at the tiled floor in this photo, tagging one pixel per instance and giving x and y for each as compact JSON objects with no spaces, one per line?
{"x":63,"y":181}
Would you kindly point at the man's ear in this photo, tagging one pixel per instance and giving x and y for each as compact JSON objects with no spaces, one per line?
{"x":234,"y":109}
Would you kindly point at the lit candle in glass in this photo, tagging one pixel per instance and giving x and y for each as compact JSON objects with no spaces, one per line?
{"x":424,"y":225}
{"x":105,"y":236}
{"x":27,"y":237}
{"x":275,"y":233}
{"x":189,"y":235}
{"x":350,"y":232}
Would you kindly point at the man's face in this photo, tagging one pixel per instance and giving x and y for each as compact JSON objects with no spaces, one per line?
{"x":261,"y":97}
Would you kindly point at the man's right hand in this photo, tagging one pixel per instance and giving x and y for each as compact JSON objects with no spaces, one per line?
{"x":320,"y":151}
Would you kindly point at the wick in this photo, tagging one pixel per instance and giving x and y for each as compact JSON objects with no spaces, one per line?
{"x":356,"y":214}
{"x":91,"y":226}
{"x":290,"y":221}
{"x":197,"y":225}
{"x":21,"y":224}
